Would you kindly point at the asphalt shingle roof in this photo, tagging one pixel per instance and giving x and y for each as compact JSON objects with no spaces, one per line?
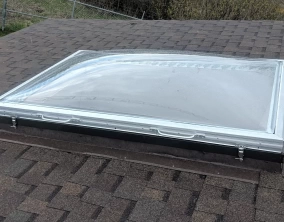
{"x":29,"y":51}
{"x":39,"y":184}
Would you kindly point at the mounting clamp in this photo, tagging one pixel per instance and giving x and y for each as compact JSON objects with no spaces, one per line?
{"x":241,"y":150}
{"x":14,"y":122}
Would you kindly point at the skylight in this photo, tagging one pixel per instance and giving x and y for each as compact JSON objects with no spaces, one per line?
{"x":228,"y":101}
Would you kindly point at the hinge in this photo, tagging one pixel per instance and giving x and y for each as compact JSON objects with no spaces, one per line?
{"x":241,"y":150}
{"x":14,"y":122}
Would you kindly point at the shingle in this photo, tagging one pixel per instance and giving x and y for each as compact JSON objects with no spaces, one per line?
{"x":140,"y":166}
{"x":239,"y":212}
{"x":33,"y":206}
{"x":190,"y":181}
{"x":163,"y":179}
{"x":243,"y":192}
{"x":13,"y":150}
{"x":271,"y":180}
{"x":213,"y":200}
{"x":203,"y":217}
{"x":117,"y":209}
{"x":179,"y":202}
{"x":219,"y":182}
{"x":137,"y":173}
{"x":21,"y":188}
{"x":19,"y":216}
{"x":58,"y":176}
{"x":44,"y":192}
{"x":263,"y":216}
{"x":215,"y":206}
{"x":7,"y":182}
{"x":97,"y":197}
{"x":85,"y":175}
{"x":62,"y":158}
{"x":117,"y":167}
{"x":50,"y":215}
{"x":72,"y":217}
{"x":153,"y":194}
{"x":168,"y":217}
{"x":163,"y":174}
{"x":130,"y":188}
{"x":36,"y":174}
{"x":210,"y":191}
{"x":19,"y":167}
{"x":147,"y":210}
{"x":269,"y":200}
{"x":64,"y":202}
{"x":72,"y":189}
{"x":106,"y":182}
{"x":35,"y":153}
{"x":85,"y":209}
{"x":9,"y":201}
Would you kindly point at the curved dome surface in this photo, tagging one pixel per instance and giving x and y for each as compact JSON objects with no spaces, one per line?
{"x":184,"y":88}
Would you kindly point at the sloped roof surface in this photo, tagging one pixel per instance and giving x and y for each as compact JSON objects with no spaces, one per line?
{"x":46,"y":185}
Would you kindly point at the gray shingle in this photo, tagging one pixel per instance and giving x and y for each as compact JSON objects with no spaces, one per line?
{"x":270,"y":201}
{"x":9,"y":201}
{"x":19,"y":167}
{"x":239,"y":212}
{"x":271,"y":180}
{"x":147,"y":210}
{"x":18,"y":216}
{"x":130,"y":188}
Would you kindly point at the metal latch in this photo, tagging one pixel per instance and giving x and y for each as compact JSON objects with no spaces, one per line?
{"x":58,"y":120}
{"x":193,"y":136}
{"x":241,"y":150}
{"x":14,"y":122}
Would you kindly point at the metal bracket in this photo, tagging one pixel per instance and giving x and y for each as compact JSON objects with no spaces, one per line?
{"x":241,"y":150}
{"x":14,"y":122}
